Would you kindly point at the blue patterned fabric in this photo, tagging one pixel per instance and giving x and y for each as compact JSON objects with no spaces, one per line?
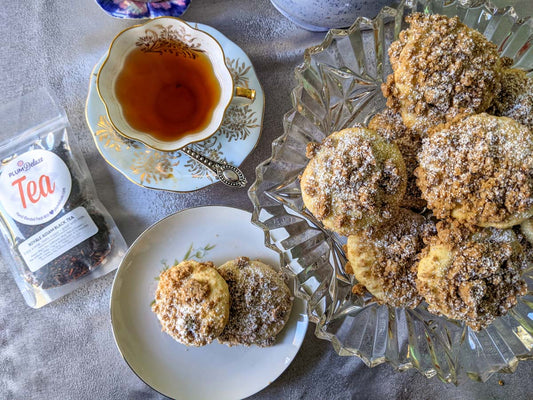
{"x":141,"y":9}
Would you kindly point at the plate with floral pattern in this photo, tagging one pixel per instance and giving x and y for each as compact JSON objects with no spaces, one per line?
{"x":131,"y":9}
{"x":175,"y":171}
{"x":213,"y":371}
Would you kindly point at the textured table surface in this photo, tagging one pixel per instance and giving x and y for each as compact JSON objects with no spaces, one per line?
{"x":66,"y":349}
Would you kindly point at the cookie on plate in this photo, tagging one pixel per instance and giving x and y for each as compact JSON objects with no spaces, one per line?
{"x":261,"y":303}
{"x":192,"y":302}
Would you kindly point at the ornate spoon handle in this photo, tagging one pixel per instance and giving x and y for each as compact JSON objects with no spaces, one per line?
{"x":227,"y":174}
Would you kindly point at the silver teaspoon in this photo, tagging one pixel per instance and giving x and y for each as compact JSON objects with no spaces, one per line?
{"x":227,"y":174}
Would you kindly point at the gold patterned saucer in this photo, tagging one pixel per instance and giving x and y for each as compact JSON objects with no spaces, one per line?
{"x":175,"y":171}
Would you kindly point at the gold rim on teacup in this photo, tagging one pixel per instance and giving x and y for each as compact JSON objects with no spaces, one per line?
{"x":192,"y":39}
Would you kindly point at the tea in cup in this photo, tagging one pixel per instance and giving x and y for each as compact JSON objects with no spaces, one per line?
{"x":166,"y":84}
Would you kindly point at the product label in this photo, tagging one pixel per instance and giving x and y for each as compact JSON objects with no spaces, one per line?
{"x":57,"y":238}
{"x":34,"y":187}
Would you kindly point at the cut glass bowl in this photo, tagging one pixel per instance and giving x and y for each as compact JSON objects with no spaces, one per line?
{"x":339,"y":86}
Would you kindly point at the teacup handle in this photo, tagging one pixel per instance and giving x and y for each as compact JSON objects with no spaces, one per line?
{"x":243,"y":96}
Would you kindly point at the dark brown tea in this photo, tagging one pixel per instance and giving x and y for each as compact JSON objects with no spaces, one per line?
{"x":167,"y":95}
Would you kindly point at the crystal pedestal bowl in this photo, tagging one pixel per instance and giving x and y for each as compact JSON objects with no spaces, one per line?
{"x":338,"y":85}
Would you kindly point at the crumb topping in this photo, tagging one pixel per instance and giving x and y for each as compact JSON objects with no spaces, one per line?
{"x":358,"y":289}
{"x":194,"y":291}
{"x":481,"y":166}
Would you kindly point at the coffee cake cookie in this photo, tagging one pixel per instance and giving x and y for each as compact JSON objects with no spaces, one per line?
{"x":441,"y":69}
{"x":385,"y":260}
{"x":472,"y":274}
{"x":478,"y":170}
{"x":261,"y":303}
{"x":192,"y":302}
{"x":354,"y":179}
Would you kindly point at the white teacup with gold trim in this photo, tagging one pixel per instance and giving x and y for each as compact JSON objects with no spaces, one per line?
{"x":166,"y":84}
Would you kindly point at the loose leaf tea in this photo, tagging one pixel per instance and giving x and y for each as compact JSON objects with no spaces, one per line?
{"x":57,"y":230}
{"x":76,"y":262}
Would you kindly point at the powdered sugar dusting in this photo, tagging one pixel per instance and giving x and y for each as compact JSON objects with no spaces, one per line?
{"x":481,"y":166}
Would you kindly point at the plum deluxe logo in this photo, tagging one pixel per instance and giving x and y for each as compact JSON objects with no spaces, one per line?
{"x":34,"y":187}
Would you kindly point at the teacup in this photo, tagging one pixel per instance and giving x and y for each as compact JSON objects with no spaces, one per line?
{"x":166,"y":84}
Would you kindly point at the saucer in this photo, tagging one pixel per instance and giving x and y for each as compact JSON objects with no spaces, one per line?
{"x":214,"y":371}
{"x":175,"y":171}
{"x":142,"y":9}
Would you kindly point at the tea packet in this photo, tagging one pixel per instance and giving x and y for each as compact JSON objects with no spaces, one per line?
{"x":56,"y":234}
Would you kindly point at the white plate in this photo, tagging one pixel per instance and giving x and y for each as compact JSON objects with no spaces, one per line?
{"x":175,"y":171}
{"x":214,"y":371}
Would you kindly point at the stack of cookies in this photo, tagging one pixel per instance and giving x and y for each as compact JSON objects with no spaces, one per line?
{"x":436,"y":194}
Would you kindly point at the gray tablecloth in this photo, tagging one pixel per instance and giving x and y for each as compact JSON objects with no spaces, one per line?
{"x":66,"y":349}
